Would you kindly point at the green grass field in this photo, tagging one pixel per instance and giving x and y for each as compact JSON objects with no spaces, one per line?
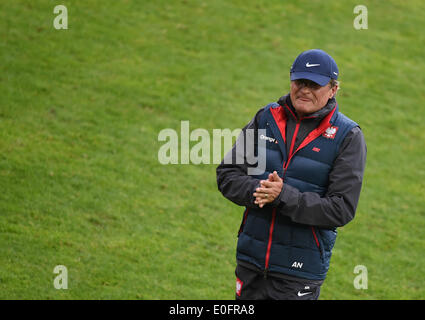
{"x":80,"y":114}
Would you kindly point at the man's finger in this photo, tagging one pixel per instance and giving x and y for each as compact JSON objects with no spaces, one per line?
{"x":259,"y":200}
{"x":260,"y":195}
{"x":276,"y":176}
{"x":262,"y":203}
{"x":261,"y":191}
{"x":268,"y":184}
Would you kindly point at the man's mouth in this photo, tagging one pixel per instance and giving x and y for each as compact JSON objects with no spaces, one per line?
{"x":304,"y":99}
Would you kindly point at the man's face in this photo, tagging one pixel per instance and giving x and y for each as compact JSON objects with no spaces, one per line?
{"x":308,"y":97}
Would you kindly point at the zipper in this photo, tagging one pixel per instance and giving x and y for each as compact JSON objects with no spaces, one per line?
{"x":297,"y":127}
{"x":291,"y":149}
{"x":269,"y":244}
{"x":317,"y":241}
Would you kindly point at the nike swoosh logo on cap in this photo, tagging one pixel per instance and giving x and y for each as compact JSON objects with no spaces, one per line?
{"x":308,"y":65}
{"x":302,"y":294}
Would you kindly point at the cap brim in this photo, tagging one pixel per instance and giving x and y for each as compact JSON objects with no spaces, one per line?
{"x":318,"y":78}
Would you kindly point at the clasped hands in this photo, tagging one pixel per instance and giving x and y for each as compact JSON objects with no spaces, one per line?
{"x":269,"y":190}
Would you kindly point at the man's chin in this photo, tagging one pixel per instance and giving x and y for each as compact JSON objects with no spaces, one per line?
{"x":302,"y":108}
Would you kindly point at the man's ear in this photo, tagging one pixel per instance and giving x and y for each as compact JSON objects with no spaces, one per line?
{"x":333,"y":92}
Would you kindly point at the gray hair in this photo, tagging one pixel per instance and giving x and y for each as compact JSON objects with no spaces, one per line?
{"x":334,"y":83}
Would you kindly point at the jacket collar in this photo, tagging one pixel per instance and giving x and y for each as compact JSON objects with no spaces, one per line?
{"x":286,"y":103}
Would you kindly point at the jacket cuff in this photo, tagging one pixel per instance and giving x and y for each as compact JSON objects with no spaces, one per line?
{"x":288,"y":196}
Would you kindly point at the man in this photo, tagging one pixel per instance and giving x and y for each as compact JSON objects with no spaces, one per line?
{"x":315,"y":159}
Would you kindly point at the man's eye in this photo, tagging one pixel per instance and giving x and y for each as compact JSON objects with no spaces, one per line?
{"x":309,"y":84}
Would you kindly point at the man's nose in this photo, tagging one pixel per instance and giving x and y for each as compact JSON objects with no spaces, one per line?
{"x":305,"y":89}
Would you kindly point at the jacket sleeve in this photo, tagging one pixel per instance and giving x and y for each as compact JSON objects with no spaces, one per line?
{"x":233,"y":180}
{"x":339,"y":204}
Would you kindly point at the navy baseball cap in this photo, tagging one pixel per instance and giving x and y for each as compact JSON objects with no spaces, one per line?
{"x":315,"y":65}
